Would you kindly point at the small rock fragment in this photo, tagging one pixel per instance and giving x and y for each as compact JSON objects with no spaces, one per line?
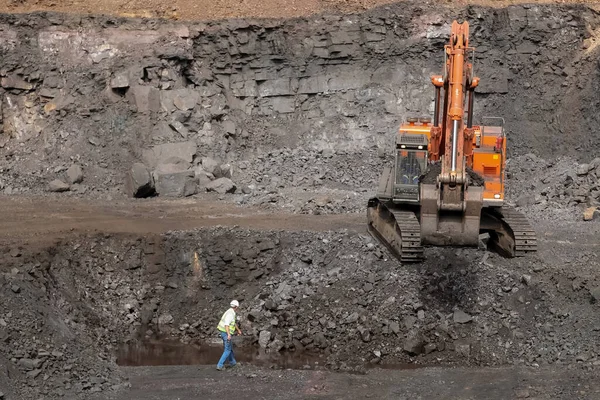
{"x":461,"y":317}
{"x":58,"y":186}
{"x":74,"y":174}
{"x":263,"y":338}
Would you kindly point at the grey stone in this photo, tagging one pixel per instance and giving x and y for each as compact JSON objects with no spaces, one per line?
{"x":202,"y":178}
{"x":270,"y":305}
{"x":460,"y":317}
{"x":210,"y":165}
{"x":58,"y":186}
{"x":185,"y":99}
{"x":171,"y":181}
{"x":160,"y":154}
{"x":229,"y":127}
{"x":522,"y":393}
{"x":165,"y":319}
{"x":15,"y":82}
{"x":138,"y":182}
{"x":145,"y":98}
{"x":275,"y":87}
{"x":409,"y":321}
{"x":119,"y":81}
{"x":430,"y":347}
{"x":225,"y":171}
{"x":190,"y":187}
{"x":526,"y":279}
{"x":263,"y":338}
{"x":15,"y":288}
{"x":35,"y":373}
{"x":180,"y":128}
{"x":595,"y":293}
{"x":352,"y":318}
{"x":413,"y":344}
{"x":222,"y":186}
{"x":265,"y":245}
{"x":74,"y":174}
{"x":583,"y":169}
{"x":30,"y":364}
{"x":462,"y":348}
{"x":394,"y":327}
{"x":276,"y":345}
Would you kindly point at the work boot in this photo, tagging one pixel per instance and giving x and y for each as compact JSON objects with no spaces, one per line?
{"x":219,"y":368}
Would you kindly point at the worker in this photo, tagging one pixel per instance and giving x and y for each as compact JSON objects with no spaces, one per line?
{"x":228,"y":327}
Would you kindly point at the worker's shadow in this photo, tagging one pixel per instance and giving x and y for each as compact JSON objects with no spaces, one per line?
{"x":447,"y":281}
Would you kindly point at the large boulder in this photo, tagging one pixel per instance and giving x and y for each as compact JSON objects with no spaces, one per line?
{"x":221,"y":185}
{"x":138,"y":182}
{"x":162,"y":154}
{"x":171,"y":180}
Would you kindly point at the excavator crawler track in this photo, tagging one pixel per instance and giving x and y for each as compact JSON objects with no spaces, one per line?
{"x":515,"y":237}
{"x":524,"y":235}
{"x":398,"y":230}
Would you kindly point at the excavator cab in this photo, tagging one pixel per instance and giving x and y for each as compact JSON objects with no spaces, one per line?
{"x":411,"y":163}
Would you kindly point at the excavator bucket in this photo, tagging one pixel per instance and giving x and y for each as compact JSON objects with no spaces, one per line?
{"x":450,"y":227}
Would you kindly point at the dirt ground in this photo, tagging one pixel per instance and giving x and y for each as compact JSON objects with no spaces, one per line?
{"x":208,"y":10}
{"x":45,"y":219}
{"x":248,"y":382}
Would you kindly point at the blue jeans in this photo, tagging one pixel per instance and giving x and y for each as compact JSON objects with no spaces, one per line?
{"x":227,"y":351}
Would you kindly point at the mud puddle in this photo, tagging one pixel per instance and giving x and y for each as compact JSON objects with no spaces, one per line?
{"x":155,"y":353}
{"x":175,"y":353}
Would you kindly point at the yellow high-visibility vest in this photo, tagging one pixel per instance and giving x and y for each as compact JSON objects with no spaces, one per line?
{"x":221,"y":325}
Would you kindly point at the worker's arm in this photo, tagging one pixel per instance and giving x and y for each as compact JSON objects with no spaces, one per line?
{"x":228,"y":333}
{"x":237,"y":328}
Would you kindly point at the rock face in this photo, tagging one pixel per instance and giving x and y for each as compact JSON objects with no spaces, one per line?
{"x":336,"y":93}
{"x":139,"y":182}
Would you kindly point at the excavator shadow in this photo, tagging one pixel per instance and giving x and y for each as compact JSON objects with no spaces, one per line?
{"x":447,"y":281}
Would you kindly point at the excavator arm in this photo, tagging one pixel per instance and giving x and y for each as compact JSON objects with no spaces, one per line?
{"x":451,"y":206}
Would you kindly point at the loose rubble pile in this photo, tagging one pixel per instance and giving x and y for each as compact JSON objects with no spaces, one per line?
{"x":338,"y":294}
{"x":560,"y":189}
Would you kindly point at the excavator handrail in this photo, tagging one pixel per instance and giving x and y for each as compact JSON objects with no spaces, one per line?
{"x":483,"y":119}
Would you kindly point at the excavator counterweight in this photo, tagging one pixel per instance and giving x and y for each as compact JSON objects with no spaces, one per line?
{"x":447,"y":184}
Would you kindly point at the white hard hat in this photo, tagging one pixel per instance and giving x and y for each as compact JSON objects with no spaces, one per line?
{"x":234,"y":303}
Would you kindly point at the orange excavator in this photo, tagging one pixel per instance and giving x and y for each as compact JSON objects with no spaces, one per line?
{"x":447,"y":185}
